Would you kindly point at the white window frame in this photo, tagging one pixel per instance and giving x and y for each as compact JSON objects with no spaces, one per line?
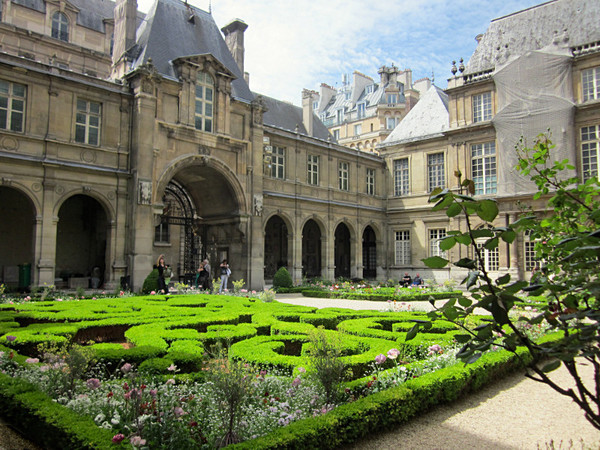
{"x":590,"y":84}
{"x":336,"y":134}
{"x":482,"y":107}
{"x":402,"y":253}
{"x":392,"y":99}
{"x":60,"y":26}
{"x":162,"y":234}
{"x":484,"y":170}
{"x":369,"y":89}
{"x":344,"y":175}
{"x":390,"y":123}
{"x":435,"y":236}
{"x":339,"y":115}
{"x":370,"y":175}
{"x":401,"y":177}
{"x":436,"y":171}
{"x":361,"y":110}
{"x":491,"y":258}
{"x":204,"y":105}
{"x":313,"y":169}
{"x":13,"y":98}
{"x":88,"y":122}
{"x":358,"y":129}
{"x":530,"y":260}
{"x":590,"y":151}
{"x":278,"y":162}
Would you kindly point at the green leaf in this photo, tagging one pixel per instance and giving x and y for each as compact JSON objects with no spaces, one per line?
{"x":551,"y":366}
{"x":465,"y":302}
{"x":463,"y":239}
{"x":482,"y":232}
{"x":462,"y":338}
{"x":453,"y":210}
{"x":503,"y":279}
{"x":491,"y":244}
{"x":447,"y":243}
{"x":508,"y":236}
{"x":467,"y":263}
{"x":488,"y":210}
{"x":435,"y":262}
{"x":412,"y":332}
{"x":499,"y":313}
{"x":474,"y":357}
{"x":443,"y":203}
{"x":472,"y":278}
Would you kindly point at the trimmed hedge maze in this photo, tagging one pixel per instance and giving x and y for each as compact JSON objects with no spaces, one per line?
{"x":156,"y":331}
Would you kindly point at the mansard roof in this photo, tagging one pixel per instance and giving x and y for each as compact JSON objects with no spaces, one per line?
{"x":428,"y":119}
{"x":562,"y":23}
{"x":286,"y":116}
{"x":173,"y":29}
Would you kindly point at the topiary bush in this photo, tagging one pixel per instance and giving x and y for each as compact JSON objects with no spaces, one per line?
{"x":282,"y":279}
{"x":151,"y":282}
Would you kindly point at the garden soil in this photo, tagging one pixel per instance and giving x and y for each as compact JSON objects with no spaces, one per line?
{"x":514,"y":413}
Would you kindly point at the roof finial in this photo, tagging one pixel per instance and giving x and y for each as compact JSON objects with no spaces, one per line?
{"x":432,"y":77}
{"x":210,"y":6}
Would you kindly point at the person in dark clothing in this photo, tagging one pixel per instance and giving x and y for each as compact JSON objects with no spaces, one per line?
{"x":162,"y":269}
{"x":202,"y":277}
{"x":417,"y":280}
{"x":406,"y":280}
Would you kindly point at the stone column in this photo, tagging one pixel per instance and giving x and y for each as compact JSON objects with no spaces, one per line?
{"x":47,"y":232}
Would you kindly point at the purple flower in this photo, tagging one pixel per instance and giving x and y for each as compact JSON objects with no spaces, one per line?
{"x":296,"y":382}
{"x":126,"y":368}
{"x":93,"y":383}
{"x":170,"y":381}
{"x":118,"y":438}
{"x":380,"y":359}
{"x":10,"y":338}
{"x":301,"y":370}
{"x":178,"y":411}
{"x":32,"y":360}
{"x":153,"y":392}
{"x":137,"y":441}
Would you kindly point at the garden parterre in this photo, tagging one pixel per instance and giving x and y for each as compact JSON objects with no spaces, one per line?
{"x":159,"y":335}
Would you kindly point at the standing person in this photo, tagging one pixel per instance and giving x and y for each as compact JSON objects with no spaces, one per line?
{"x":207,"y":266}
{"x":200,"y":274}
{"x":225,"y":272}
{"x":162,"y":268}
{"x":406,"y":280}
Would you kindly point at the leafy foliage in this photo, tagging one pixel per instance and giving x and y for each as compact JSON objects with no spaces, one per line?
{"x":567,"y":244}
{"x":282,"y":278}
{"x":151,"y":282}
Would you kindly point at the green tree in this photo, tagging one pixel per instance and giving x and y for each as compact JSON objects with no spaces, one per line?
{"x":568,"y":247}
{"x":282,"y":279}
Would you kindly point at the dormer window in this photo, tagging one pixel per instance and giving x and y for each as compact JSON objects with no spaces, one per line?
{"x":60,"y":26}
{"x":204,"y":102}
{"x":315,"y":105}
{"x":392,"y":99}
{"x":369,"y":89}
{"x":347,"y":95}
{"x":361,"y":109}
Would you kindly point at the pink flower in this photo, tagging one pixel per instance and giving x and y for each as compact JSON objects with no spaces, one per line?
{"x":10,"y":338}
{"x":137,"y":441}
{"x":118,"y":438}
{"x":296,"y":382}
{"x":380,"y":359}
{"x":170,"y":381}
{"x":172,"y":368}
{"x":121,"y":293}
{"x":393,"y":353}
{"x":433,"y":349}
{"x":32,"y":360}
{"x":153,"y":293}
{"x":178,"y":411}
{"x":126,"y":368}
{"x":301,"y":370}
{"x":153,"y":392}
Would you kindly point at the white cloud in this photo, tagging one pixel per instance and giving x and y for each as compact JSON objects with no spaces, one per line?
{"x":291,"y":45}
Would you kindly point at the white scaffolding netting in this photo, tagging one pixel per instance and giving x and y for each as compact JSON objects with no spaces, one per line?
{"x":534,"y":95}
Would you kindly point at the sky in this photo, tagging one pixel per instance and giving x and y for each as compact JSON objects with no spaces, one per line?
{"x":295,"y":44}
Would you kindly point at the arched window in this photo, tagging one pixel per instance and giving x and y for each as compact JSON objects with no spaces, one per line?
{"x":60,"y":26}
{"x":204,"y":102}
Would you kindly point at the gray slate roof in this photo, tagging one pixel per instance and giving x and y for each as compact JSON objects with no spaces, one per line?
{"x":167,"y":34}
{"x":286,"y":116}
{"x":565,"y":23}
{"x":429,"y":118}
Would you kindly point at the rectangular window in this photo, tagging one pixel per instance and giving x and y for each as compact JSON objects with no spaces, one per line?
{"x":361,"y":110}
{"x":339,"y":116}
{"x":590,"y":82}
{"x":435,"y":235}
{"x":315,"y":105}
{"x":87,"y":122}
{"x":402,"y":254}
{"x":590,"y":148}
{"x":336,"y":135}
{"x":482,"y":107}
{"x":313,"y":169}
{"x":531,"y":261}
{"x":369,"y":89}
{"x":12,"y":106}
{"x":278,"y":163}
{"x":401,"y":177}
{"x":343,"y":175}
{"x":392,"y":98}
{"x":161,"y":233}
{"x":390,"y":123}
{"x":203,"y":115}
{"x":436,"y":171}
{"x":483,"y":168}
{"x":357,"y":129}
{"x":490,"y":257}
{"x":371,"y":181}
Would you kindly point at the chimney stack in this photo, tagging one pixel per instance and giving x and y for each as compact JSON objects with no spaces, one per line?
{"x":308,"y":118}
{"x":234,"y":38}
{"x":125,"y":16}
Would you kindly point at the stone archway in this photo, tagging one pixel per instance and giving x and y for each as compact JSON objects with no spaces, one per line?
{"x":369,"y":249}
{"x":17,"y":232}
{"x":81,"y":239}
{"x":276,"y":246}
{"x":342,"y":251}
{"x":311,"y":250}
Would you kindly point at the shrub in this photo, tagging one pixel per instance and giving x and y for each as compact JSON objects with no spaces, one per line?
{"x":282,"y":279}
{"x":151,"y":282}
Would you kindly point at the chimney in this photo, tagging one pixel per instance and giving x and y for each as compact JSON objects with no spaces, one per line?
{"x":234,"y":38}
{"x":308,"y":118}
{"x":385,"y":76}
{"x":124,"y":34}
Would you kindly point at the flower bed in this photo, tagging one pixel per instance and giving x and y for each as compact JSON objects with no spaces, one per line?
{"x":140,"y":342}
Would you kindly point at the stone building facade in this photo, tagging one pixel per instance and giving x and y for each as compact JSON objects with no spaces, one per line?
{"x":119,"y":144}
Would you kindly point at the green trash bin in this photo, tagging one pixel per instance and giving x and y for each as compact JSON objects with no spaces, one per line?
{"x":24,"y":275}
